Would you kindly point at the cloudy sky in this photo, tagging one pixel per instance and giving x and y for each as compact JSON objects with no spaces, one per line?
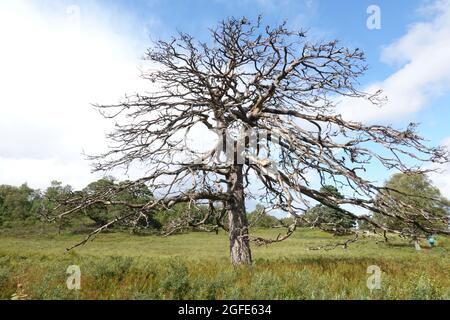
{"x":59,"y":57}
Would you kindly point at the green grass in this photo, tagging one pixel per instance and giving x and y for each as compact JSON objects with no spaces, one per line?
{"x":196,"y":266}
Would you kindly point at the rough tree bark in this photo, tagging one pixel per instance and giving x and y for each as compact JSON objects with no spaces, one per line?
{"x":240,"y":251}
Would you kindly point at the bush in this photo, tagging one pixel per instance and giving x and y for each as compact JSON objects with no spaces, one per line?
{"x":112,"y":268}
{"x":5,"y":274}
{"x":266,"y":286}
{"x":176,"y":284}
{"x":423,"y":288}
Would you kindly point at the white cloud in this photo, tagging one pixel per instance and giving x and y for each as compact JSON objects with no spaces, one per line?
{"x":54,"y":63}
{"x":424,"y":72}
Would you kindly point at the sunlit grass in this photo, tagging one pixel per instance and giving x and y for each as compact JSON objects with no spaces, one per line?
{"x":196,"y":266}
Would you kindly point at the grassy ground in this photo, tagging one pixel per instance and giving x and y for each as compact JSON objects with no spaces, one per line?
{"x":196,"y":266}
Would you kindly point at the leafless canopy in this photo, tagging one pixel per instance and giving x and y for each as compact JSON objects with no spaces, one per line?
{"x":281,"y":88}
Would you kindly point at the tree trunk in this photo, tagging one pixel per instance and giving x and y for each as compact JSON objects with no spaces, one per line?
{"x":237,"y":218}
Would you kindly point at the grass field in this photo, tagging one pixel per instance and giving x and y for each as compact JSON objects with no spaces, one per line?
{"x":196,"y":266}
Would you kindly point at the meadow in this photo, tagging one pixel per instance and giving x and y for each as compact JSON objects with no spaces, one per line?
{"x":196,"y":266}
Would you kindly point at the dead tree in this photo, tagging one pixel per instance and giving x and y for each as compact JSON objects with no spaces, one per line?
{"x":270,"y":96}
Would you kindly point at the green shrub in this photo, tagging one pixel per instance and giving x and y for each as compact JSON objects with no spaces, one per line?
{"x":5,"y":275}
{"x":424,"y":288}
{"x":112,"y":267}
{"x":266,"y":286}
{"x":176,"y":284}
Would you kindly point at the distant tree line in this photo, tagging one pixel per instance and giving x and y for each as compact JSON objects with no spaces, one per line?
{"x":416,"y":190}
{"x":25,"y":206}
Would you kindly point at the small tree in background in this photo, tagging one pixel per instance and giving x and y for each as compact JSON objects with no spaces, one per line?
{"x":260,"y":219}
{"x":102,"y":213}
{"x":329,"y":219}
{"x":99,"y":213}
{"x":52,"y":196}
{"x":18,"y":204}
{"x":417,"y":191}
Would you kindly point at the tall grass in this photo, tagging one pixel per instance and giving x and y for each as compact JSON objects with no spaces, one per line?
{"x":117,"y":266}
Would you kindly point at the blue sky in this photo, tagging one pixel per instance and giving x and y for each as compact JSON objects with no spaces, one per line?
{"x":86,"y":51}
